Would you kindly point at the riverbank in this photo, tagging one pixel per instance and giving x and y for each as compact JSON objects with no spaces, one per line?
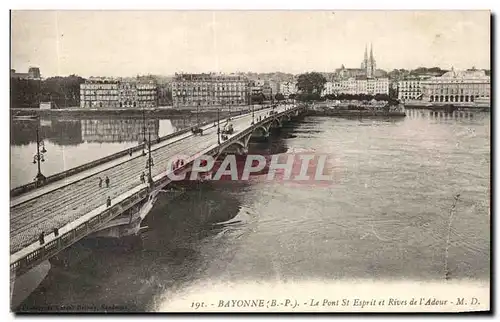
{"x":107,"y":113}
{"x":448,"y":108}
{"x":356,"y":113}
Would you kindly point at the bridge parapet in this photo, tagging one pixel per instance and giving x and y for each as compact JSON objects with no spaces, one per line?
{"x":36,"y":253}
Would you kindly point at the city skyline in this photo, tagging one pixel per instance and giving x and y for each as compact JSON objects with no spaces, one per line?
{"x":124,"y":44}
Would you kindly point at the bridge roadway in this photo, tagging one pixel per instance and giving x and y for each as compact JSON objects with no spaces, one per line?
{"x":32,"y":213}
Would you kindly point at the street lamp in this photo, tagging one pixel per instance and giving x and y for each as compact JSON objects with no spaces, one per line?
{"x":223,"y":103}
{"x":143,"y":130}
{"x":218,"y":127}
{"x":149,"y":162}
{"x":39,"y":156}
{"x":198,"y":114}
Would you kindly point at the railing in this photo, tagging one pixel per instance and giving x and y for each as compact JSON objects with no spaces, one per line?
{"x":62,"y":175}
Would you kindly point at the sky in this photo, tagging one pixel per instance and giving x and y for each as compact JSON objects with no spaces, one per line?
{"x":128,"y":43}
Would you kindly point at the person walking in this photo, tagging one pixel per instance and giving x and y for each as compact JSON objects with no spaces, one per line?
{"x":108,"y":202}
{"x":41,"y":238}
{"x":130,"y":152}
{"x":100,"y":182}
{"x":143,"y":180}
{"x":107,"y":182}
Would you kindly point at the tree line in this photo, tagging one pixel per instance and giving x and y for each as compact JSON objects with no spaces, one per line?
{"x":28,"y":93}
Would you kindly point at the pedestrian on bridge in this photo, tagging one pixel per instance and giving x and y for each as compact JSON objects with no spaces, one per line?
{"x":41,"y":238}
{"x":107,"y":182}
{"x":130,"y":151}
{"x":100,"y":182}
{"x":143,"y":180}
{"x":108,"y":202}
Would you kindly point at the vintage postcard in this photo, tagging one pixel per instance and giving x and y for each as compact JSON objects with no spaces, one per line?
{"x":250,"y":161}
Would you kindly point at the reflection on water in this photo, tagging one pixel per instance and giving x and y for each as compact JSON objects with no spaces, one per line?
{"x":126,"y":130}
{"x":73,"y":142}
{"x":441,"y":115}
{"x":385,"y":218}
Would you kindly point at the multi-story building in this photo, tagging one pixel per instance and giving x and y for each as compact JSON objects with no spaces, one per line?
{"x":328,"y":89}
{"x":147,"y":95}
{"x":100,"y":92}
{"x":128,"y":95}
{"x":360,"y":85}
{"x":256,"y":90}
{"x":209,"y":89}
{"x":409,"y":89}
{"x":288,"y":88}
{"x":457,"y":87}
{"x":32,"y":74}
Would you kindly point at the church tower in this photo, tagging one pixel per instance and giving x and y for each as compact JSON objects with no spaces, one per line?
{"x":372,"y":64}
{"x":364,"y":63}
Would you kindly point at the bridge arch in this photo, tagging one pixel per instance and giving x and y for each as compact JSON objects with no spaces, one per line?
{"x":239,"y":147}
{"x":276,"y":122}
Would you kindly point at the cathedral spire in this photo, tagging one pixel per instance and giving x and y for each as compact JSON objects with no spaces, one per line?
{"x":371,"y":52}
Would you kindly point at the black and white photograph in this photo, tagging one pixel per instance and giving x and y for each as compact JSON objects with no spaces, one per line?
{"x":250,"y":161}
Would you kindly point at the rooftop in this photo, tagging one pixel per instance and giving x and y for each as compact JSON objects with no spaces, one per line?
{"x":465,"y":74}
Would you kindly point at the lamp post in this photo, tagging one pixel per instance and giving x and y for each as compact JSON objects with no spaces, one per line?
{"x":198,"y":114}
{"x":39,"y":157}
{"x":143,"y":130}
{"x":149,"y":162}
{"x":218,"y":128}
{"x":253,"y":116}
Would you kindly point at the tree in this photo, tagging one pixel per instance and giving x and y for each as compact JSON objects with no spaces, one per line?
{"x":64,"y":91}
{"x":279,"y":97}
{"x":24,"y":93}
{"x":311,"y":83}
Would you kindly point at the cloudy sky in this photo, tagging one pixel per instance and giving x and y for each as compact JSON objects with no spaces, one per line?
{"x":126,"y":43}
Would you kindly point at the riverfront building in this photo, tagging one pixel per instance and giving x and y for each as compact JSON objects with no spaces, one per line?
{"x":32,"y":74}
{"x":288,"y":88}
{"x":100,"y":92}
{"x":360,"y":85}
{"x":409,"y":89}
{"x":457,"y":87}
{"x":190,"y":90}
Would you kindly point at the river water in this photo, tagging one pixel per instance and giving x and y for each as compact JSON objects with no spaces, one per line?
{"x":385,"y":217}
